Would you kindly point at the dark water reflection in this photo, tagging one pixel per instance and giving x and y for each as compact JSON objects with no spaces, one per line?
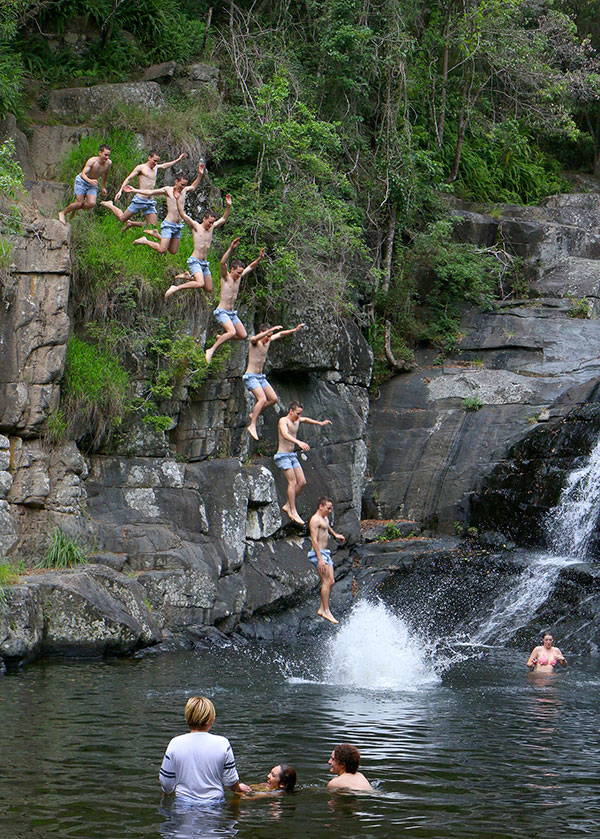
{"x":488,"y":752}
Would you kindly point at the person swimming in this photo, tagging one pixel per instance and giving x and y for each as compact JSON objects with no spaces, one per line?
{"x":281,"y":778}
{"x":544,"y":658}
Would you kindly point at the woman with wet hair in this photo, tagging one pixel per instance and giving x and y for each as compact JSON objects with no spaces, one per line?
{"x":544,"y":658}
{"x":281,"y":778}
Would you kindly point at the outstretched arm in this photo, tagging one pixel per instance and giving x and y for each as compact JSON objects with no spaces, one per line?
{"x":170,"y":163}
{"x":252,"y":265}
{"x":131,"y":175}
{"x":226,"y":213}
{"x":561,"y":657}
{"x":226,"y":255}
{"x":181,"y":207}
{"x":285,"y":332}
{"x":256,"y":338}
{"x":315,"y":422}
{"x":198,"y":178}
{"x":161,"y":191}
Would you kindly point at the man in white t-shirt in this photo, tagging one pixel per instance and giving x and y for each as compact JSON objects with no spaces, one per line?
{"x":197,"y":766}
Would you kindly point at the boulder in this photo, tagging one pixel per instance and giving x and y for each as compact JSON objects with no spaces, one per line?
{"x":21,"y":623}
{"x":81,"y":101}
{"x":93,"y":610}
{"x":48,"y":146}
{"x":160,"y":72}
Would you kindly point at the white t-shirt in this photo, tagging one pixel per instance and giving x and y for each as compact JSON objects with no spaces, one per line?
{"x":198,"y":765}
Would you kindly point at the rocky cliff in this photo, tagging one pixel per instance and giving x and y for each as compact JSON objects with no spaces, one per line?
{"x":183,"y":528}
{"x":438,"y":433}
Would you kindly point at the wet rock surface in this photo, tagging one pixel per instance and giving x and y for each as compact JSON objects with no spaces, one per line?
{"x":437,"y":434}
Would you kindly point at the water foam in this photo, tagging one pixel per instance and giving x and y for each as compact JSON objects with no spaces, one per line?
{"x":374,"y":649}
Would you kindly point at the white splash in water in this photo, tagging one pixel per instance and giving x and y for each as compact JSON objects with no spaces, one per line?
{"x":375,"y":650}
{"x":573,"y":521}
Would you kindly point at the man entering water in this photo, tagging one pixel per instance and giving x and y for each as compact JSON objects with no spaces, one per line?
{"x":320,"y":556}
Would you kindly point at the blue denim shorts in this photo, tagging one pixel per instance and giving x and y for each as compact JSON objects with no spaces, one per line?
{"x":145,"y":206}
{"x":83,"y":188}
{"x":325,"y":553}
{"x":286,"y":460}
{"x":254,"y":380}
{"x":222,"y":315}
{"x":171,"y":230}
{"x":197,"y":266}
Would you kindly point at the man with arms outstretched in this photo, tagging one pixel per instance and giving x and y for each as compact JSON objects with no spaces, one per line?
{"x":287,"y":459}
{"x":254,"y":378}
{"x":199,"y":275}
{"x":86,"y":183}
{"x":172,"y":226}
{"x":225,"y":312}
{"x":320,"y":556}
{"x":146,"y":174}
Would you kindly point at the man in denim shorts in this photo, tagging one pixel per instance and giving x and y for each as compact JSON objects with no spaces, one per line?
{"x":172,"y":226}
{"x":320,"y":556}
{"x":225,"y":312}
{"x":287,"y":459}
{"x":146,"y":174}
{"x":86,"y":183}
{"x":198,"y":273}
{"x":254,"y":378}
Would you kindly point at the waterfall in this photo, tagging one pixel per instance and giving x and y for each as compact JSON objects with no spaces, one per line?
{"x":570,"y":527}
{"x":571,"y":524}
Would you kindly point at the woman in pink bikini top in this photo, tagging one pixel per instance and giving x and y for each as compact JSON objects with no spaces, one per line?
{"x":544,"y":659}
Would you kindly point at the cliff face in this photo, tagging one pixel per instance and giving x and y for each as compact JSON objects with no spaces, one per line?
{"x":520,"y":363}
{"x":179,"y":535}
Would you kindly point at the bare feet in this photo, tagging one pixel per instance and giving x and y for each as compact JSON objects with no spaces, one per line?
{"x":172,"y":288}
{"x":108,"y":203}
{"x":292,"y":514}
{"x":185,"y":276}
{"x":62,"y":217}
{"x":209,"y":354}
{"x":328,"y":616}
{"x":152,"y":232}
{"x":143,"y":241}
{"x":252,"y":431}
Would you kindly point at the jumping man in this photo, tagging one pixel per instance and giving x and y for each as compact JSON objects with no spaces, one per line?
{"x":254,"y":378}
{"x":146,"y":174}
{"x":320,"y":556}
{"x":199,"y":270}
{"x":287,"y":459}
{"x":172,"y":227}
{"x":225,"y":312}
{"x":86,"y":183}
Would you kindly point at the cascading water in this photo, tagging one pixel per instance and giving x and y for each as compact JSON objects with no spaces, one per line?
{"x":571,"y":524}
{"x":570,"y":527}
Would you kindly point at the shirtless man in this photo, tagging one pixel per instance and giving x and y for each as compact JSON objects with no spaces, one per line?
{"x":287,"y":459}
{"x":199,"y":275}
{"x":86,"y":183}
{"x":320,"y":556}
{"x":172,"y":227}
{"x":254,"y":378}
{"x":225,"y":313}
{"x":344,"y":763}
{"x":146,"y":174}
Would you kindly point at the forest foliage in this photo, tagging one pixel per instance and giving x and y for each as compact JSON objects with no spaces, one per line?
{"x":346,"y":127}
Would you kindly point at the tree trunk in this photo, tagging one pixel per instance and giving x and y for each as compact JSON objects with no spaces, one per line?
{"x":400,"y":366}
{"x":388,"y":252}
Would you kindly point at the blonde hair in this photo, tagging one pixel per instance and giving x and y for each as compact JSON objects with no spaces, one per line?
{"x":199,"y":712}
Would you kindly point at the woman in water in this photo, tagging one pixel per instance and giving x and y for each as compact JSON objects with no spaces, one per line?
{"x":280,"y":779}
{"x":544,"y":659}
